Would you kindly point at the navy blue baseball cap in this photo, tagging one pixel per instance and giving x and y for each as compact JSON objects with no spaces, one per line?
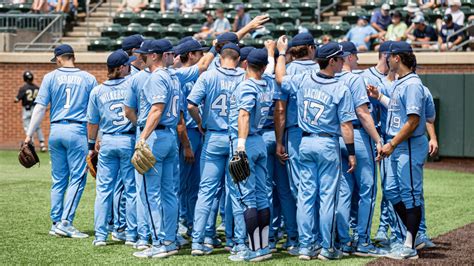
{"x":63,"y":49}
{"x":155,"y":46}
{"x":189,"y":46}
{"x":232,"y":46}
{"x":244,"y":52}
{"x":258,"y":57}
{"x":119,"y":58}
{"x":385,"y":47}
{"x":133,"y":41}
{"x":227,"y":37}
{"x":330,"y":50}
{"x":364,"y":17}
{"x":304,"y":38}
{"x":349,"y":47}
{"x":185,"y":39}
{"x":400,"y":47}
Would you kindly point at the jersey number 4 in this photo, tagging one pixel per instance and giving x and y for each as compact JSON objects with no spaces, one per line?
{"x":312,"y":105}
{"x":220,"y":103}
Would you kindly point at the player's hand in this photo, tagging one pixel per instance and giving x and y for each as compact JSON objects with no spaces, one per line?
{"x":281,"y":153}
{"x":282,"y":44}
{"x":258,"y":21}
{"x":387,"y":150}
{"x":97,"y":145}
{"x":433,"y":147}
{"x":214,"y":42}
{"x":373,"y":91}
{"x":188,"y":155}
{"x":27,"y":139}
{"x":352,"y":163}
{"x":201,"y":130}
{"x":379,"y":147}
{"x":91,"y":153}
{"x":270,"y":45}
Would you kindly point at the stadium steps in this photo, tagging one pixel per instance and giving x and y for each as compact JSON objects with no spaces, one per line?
{"x":101,"y":17}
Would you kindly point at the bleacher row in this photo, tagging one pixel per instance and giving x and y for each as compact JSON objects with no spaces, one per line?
{"x":286,"y":18}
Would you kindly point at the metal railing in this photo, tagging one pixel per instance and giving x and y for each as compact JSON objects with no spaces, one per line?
{"x":466,"y":29}
{"x":91,"y":9}
{"x":321,"y":9}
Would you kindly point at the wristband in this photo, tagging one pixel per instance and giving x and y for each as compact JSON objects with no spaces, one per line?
{"x":241,"y":143}
{"x":350,"y":148}
{"x":91,"y":144}
{"x":213,"y":51}
{"x":281,"y":54}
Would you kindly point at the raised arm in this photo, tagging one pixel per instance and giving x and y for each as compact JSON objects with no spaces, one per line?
{"x":256,"y":23}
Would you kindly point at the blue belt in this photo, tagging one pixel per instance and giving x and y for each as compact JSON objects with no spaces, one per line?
{"x":67,"y":121}
{"x":130,"y":132}
{"x":322,"y":134}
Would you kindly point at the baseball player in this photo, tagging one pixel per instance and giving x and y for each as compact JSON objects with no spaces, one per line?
{"x":27,"y":95}
{"x":133,"y":99}
{"x":190,"y":52}
{"x":67,"y":89}
{"x":213,"y":90}
{"x":130,"y":44}
{"x":250,"y":105}
{"x":407,"y":144}
{"x":288,"y":134}
{"x":373,"y":76}
{"x":161,"y":113}
{"x":363,"y":181}
{"x":325,"y":111}
{"x":106,"y":113}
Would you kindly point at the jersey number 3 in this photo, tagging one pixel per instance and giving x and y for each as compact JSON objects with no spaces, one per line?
{"x":118,"y":108}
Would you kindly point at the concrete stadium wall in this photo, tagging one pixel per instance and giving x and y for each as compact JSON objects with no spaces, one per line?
{"x":12,"y":66}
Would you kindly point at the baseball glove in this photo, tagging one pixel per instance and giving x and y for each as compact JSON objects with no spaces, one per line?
{"x":143,"y":159}
{"x":27,"y":155}
{"x":92,"y":163}
{"x":239,"y":167}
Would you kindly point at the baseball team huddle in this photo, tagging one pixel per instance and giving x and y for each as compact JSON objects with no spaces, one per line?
{"x":283,"y":142}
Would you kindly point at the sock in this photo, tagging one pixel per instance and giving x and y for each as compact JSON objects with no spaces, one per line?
{"x":264,"y":225}
{"x":413,"y":224}
{"x":401,"y":210}
{"x":251,"y":223}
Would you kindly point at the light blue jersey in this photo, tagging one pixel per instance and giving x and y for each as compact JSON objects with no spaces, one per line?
{"x":409,"y":97}
{"x":216,"y":63}
{"x":356,"y":86}
{"x":133,"y":70}
{"x":106,"y":107}
{"x":255,"y":97}
{"x":373,"y":77}
{"x":293,"y":68}
{"x":67,"y":89}
{"x":135,"y":96}
{"x":323,"y":102}
{"x":386,"y":88}
{"x":186,"y":90}
{"x":213,"y":89}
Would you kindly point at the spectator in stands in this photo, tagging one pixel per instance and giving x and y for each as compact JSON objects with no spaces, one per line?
{"x":190,"y":6}
{"x":325,"y":39}
{"x":381,"y":19}
{"x":447,"y":39}
{"x":426,"y":4}
{"x":52,"y":4}
{"x":361,"y":34}
{"x":206,"y":27}
{"x":421,"y":33}
{"x":136,"y":6}
{"x":241,"y":19}
{"x":221,"y":24}
{"x":411,"y":9}
{"x":40,"y":6}
{"x":169,"y":6}
{"x":455,"y":10}
{"x":396,"y":30}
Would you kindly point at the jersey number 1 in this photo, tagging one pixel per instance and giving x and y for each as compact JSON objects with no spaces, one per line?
{"x":68,"y":98}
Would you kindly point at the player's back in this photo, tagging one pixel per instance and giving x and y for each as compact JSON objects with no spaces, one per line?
{"x":322,"y":102}
{"x":67,"y":90}
{"x":106,"y":106}
{"x":213,"y":89}
{"x":136,"y":87}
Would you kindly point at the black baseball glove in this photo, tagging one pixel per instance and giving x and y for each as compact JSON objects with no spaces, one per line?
{"x":239,"y":167}
{"x":27,"y":155}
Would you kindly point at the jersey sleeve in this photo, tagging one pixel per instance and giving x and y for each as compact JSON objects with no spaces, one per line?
{"x":290,"y":83}
{"x":93,"y":115}
{"x":21,"y":93}
{"x":93,"y":82}
{"x":157,"y":90}
{"x":359,"y":93}
{"x":430,"y":111}
{"x":187,"y":74}
{"x":345,"y":108}
{"x":413,"y":98}
{"x":44,"y":94}
{"x":247,"y":98}
{"x":131,"y":95}
{"x":198,"y":92}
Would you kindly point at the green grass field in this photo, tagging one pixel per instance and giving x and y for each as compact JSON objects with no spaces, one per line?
{"x":24,"y":220}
